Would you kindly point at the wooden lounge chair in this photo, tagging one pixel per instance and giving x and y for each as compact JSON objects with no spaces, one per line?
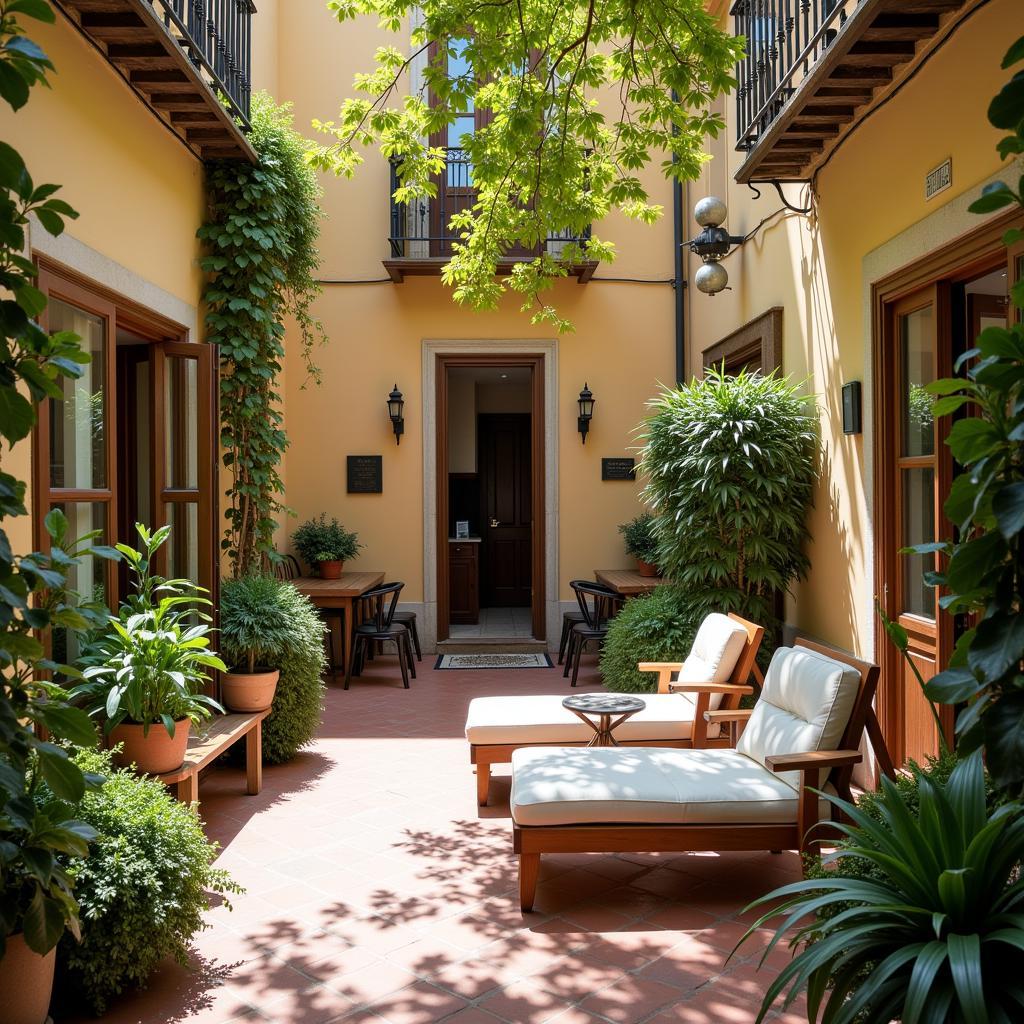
{"x":803,"y":734}
{"x":722,"y":657}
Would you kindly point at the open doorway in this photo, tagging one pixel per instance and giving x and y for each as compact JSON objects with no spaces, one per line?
{"x":490,"y":457}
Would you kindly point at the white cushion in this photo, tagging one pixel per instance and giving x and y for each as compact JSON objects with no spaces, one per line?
{"x":542,"y":719}
{"x":589,"y":785}
{"x":715,"y":651}
{"x":804,"y":706}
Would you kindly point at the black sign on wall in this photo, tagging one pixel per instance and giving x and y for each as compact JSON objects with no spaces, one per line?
{"x":365,"y":474}
{"x":618,"y":469}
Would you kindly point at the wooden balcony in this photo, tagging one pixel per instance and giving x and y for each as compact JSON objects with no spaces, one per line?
{"x":421,"y":239}
{"x":189,"y":60}
{"x":813,"y":66}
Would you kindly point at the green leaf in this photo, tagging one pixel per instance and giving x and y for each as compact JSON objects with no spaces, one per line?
{"x":965,"y":966}
{"x":953,"y":686}
{"x":62,"y":775}
{"x":17,"y":417}
{"x":69,"y":723}
{"x":1008,"y":508}
{"x":971,"y":439}
{"x":12,"y":167}
{"x":1003,"y":725}
{"x":38,"y":9}
{"x":13,"y":86}
{"x":44,"y":922}
{"x":993,"y":197}
{"x":1013,"y":54}
{"x":1007,"y":108}
{"x":998,"y":645}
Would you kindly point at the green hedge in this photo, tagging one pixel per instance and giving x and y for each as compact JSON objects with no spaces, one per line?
{"x":293,"y":642}
{"x":142,"y":889}
{"x":658,"y":627}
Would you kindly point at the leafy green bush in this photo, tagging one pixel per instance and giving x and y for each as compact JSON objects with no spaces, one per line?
{"x":641,"y":538}
{"x":658,"y":627}
{"x":731,"y":464}
{"x":292,"y":641}
{"x":318,"y":540}
{"x":142,"y":890}
{"x":933,"y":932}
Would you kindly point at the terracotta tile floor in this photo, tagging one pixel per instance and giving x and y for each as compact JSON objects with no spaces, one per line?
{"x":378,"y":891}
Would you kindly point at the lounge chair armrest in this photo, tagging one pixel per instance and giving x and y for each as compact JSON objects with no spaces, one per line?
{"x":681,"y":687}
{"x":665,"y":670}
{"x":813,"y":759}
{"x":720,"y":717}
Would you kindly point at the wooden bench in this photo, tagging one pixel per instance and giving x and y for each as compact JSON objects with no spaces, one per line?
{"x":204,"y":747}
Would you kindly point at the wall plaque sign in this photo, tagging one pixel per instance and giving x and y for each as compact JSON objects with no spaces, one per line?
{"x":618,"y":469}
{"x":365,"y":474}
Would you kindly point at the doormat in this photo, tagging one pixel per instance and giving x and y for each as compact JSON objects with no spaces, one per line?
{"x":492,"y":661}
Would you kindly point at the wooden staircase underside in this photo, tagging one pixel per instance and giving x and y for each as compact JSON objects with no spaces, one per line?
{"x":154,"y":62}
{"x":873,"y":49}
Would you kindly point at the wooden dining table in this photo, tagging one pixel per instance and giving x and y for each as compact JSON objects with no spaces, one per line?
{"x":340,"y":593}
{"x":628,"y":582}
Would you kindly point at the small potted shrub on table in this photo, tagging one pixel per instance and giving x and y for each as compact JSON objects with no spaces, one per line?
{"x":253,"y":628}
{"x":146,"y":673}
{"x":641,"y":543}
{"x":326,"y":546}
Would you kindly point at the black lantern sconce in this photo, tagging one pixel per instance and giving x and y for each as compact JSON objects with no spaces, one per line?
{"x":395,"y":406}
{"x":586,"y":404}
{"x":852,"y":408}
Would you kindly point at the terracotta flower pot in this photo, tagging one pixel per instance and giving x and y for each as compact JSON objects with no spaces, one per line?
{"x":249,"y":691}
{"x":646,"y":568}
{"x":156,"y":753}
{"x":26,"y":981}
{"x":330,"y":570}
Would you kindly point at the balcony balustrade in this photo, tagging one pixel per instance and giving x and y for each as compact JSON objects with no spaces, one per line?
{"x":811,"y":65}
{"x":190,"y":60}
{"x":421,"y":237}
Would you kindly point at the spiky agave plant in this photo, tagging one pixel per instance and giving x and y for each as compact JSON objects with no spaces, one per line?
{"x":932,"y":933}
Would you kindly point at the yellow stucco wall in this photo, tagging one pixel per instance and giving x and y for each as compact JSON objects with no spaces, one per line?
{"x":872,"y":190}
{"x":623,"y":345}
{"x":138,"y":191}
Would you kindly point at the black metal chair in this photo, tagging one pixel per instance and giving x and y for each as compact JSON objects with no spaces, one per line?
{"x":408,"y":619}
{"x":287,"y":567}
{"x":569,"y":619}
{"x":378,"y":626}
{"x":598,"y":605}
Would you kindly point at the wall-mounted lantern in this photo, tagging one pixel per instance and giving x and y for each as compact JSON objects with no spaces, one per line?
{"x":396,"y":404}
{"x":712,"y":244}
{"x":586,"y":404}
{"x":852,"y":407}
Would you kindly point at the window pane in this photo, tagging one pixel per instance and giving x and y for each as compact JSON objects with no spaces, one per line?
{"x":916,"y":344}
{"x":89,"y":578}
{"x":181,"y":422}
{"x":78,"y":457}
{"x":918,"y":528}
{"x":183,"y":544}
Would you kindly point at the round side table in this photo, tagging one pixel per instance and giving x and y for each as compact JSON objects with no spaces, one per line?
{"x":609,"y":709}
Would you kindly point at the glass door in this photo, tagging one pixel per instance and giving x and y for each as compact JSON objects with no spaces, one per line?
{"x":185,"y":450}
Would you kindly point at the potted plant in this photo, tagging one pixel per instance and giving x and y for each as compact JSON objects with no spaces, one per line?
{"x":151,"y":665}
{"x":326,"y":545}
{"x":641,"y":543}
{"x":252,"y":625}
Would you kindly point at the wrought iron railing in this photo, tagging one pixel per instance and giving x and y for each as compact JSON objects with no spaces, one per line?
{"x":785,"y":38}
{"x":421,"y":229}
{"x":217,"y":37}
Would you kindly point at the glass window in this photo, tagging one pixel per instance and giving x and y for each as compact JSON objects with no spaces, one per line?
{"x":183,"y":544}
{"x":181,"y":423}
{"x":916,"y":334}
{"x":918,"y":528}
{"x":88,"y":579}
{"x":459,"y":170}
{"x":78,"y":455}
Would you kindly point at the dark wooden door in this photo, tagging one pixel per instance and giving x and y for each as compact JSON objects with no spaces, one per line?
{"x":506,"y":512}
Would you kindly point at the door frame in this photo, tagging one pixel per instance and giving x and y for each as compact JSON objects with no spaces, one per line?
{"x":487,"y":352}
{"x":535,"y":364}
{"x":58,"y":279}
{"x":959,"y":259}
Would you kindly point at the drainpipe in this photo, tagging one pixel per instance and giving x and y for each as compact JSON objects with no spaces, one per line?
{"x":678,"y":283}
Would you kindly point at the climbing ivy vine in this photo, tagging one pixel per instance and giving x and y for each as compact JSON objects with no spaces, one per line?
{"x":261,"y":259}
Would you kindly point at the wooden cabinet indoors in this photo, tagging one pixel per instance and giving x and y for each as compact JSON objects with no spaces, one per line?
{"x":464,"y":582}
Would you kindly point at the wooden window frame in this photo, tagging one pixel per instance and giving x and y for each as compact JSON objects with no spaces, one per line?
{"x":760,"y":337}
{"x":961,"y":259}
{"x":168,"y":338}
